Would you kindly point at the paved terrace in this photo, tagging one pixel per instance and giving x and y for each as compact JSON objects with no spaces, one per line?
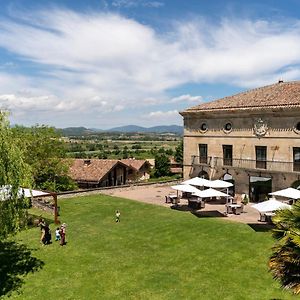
{"x":156,"y":195}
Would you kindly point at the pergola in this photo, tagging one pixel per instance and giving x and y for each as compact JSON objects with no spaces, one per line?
{"x":28,"y":193}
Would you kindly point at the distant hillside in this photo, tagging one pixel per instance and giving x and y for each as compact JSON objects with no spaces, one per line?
{"x":78,"y":131}
{"x":156,"y":129}
{"x":75,"y":131}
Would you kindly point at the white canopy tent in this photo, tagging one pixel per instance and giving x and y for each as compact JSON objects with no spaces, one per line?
{"x":28,"y":193}
{"x":5,"y":193}
{"x":210,"y":193}
{"x":287,"y":193}
{"x":270,"y":206}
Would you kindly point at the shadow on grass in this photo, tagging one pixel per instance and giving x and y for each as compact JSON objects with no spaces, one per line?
{"x":261,"y":227}
{"x":15,"y":261}
{"x":208,"y":214}
{"x":183,"y":207}
{"x":34,"y":218}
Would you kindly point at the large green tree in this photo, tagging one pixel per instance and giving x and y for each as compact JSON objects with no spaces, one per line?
{"x":178,"y":156}
{"x":46,"y":154}
{"x":162,"y":165}
{"x":14,"y":173}
{"x":285,"y":260}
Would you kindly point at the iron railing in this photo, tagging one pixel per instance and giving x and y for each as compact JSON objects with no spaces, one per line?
{"x":251,"y":164}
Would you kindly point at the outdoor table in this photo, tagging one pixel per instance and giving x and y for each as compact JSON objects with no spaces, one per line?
{"x":268,"y":216}
{"x":173,"y":198}
{"x":231,"y":208}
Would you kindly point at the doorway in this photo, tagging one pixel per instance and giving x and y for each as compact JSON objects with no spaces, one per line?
{"x":259,"y":188}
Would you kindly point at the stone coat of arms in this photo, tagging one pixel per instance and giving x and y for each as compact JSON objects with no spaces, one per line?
{"x":260,"y":127}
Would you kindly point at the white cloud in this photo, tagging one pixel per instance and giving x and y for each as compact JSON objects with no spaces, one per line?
{"x":163,"y":114}
{"x":103,"y":63}
{"x":187,"y":98}
{"x":136,"y":3}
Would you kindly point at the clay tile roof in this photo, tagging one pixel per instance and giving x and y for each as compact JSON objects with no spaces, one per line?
{"x":278,"y":95}
{"x":134,"y":163}
{"x":91,"y":170}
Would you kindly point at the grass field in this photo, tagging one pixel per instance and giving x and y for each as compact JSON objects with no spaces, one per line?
{"x":154,"y":253}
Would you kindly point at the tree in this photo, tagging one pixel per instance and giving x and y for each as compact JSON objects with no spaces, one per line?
{"x":46,"y":154}
{"x":179,"y":153}
{"x":162,"y":165}
{"x":14,"y":173}
{"x":285,"y":261}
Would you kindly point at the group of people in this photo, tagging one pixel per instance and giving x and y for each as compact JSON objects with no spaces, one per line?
{"x":60,"y":233}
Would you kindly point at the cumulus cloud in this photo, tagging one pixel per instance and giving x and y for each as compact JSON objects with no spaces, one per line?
{"x":105,"y":62}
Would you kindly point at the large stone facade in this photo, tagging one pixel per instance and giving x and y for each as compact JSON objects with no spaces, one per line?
{"x":256,"y":146}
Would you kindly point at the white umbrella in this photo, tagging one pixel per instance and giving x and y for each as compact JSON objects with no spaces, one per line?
{"x":197,"y":181}
{"x":185,"y":188}
{"x":210,"y":193}
{"x":220,"y":184}
{"x":270,"y":205}
{"x":288,"y":193}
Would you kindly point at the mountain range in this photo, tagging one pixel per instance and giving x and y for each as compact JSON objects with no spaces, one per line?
{"x":124,"y":129}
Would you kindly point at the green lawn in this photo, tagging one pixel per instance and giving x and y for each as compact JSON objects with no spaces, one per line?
{"x":154,"y":253}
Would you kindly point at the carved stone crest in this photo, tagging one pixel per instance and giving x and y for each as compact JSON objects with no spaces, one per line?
{"x":260,"y":127}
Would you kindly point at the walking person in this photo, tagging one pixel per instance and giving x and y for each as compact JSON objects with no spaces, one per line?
{"x":118,"y":215}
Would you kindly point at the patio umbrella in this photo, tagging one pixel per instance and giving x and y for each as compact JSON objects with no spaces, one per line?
{"x":210,"y":193}
{"x":288,"y":193}
{"x":220,"y":184}
{"x":185,"y":188}
{"x":197,"y":181}
{"x":270,"y":205}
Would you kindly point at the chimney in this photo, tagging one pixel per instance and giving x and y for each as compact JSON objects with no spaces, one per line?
{"x":280,"y":80}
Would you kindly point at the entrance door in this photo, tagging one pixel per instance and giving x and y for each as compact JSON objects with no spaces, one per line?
{"x":259,"y":188}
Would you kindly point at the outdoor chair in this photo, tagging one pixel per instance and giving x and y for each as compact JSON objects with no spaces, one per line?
{"x":239,"y":210}
{"x":228,"y":209}
{"x":202,"y":204}
{"x":168,"y":199}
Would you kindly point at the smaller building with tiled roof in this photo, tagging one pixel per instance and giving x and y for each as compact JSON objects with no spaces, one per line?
{"x":140,"y":169}
{"x":98,"y":172}
{"x":251,"y":138}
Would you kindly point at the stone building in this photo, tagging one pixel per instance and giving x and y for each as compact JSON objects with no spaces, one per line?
{"x":252,"y":139}
{"x":89,"y":173}
{"x":140,"y":169}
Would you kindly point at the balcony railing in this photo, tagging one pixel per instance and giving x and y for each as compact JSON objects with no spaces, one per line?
{"x":251,"y":164}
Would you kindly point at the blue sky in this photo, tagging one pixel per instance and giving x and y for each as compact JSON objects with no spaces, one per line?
{"x":107,"y":63}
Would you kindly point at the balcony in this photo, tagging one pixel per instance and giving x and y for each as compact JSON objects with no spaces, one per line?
{"x":248,"y":164}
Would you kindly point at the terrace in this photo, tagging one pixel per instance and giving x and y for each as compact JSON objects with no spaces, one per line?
{"x":246,"y":164}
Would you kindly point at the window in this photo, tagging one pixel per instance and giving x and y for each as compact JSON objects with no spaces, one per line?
{"x":227,"y":127}
{"x":297,"y":128}
{"x":203,"y":127}
{"x":227,"y":155}
{"x":203,"y":153}
{"x":261,"y":157}
{"x":296,"y":159}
